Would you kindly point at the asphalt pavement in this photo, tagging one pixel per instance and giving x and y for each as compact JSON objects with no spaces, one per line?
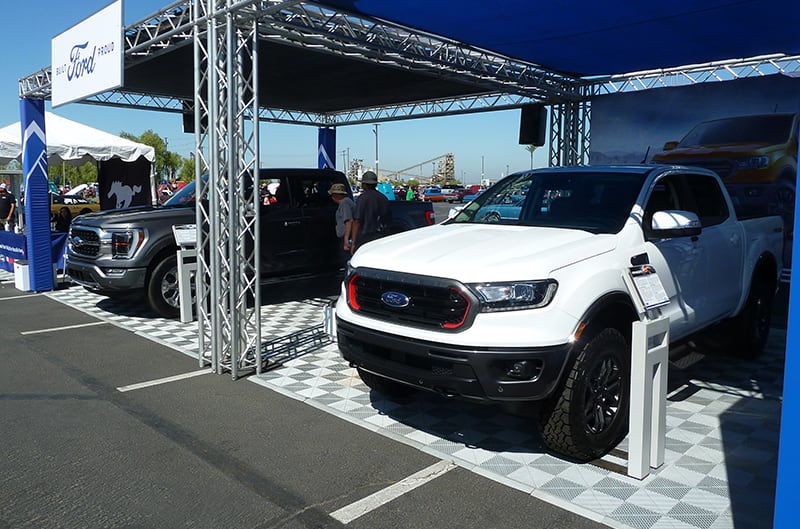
{"x":102,"y":428}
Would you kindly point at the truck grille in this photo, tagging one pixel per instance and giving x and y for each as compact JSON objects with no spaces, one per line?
{"x":414,"y":300}
{"x":84,"y":242}
{"x":724,"y":168}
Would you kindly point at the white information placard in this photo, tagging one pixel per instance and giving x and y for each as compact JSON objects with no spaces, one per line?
{"x":185,"y":235}
{"x":649,"y":287}
{"x":87,"y":59}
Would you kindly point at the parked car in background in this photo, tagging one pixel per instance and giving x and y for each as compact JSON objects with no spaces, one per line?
{"x":469,"y":197}
{"x":77,"y":205}
{"x":433,"y":194}
{"x":453,"y":193}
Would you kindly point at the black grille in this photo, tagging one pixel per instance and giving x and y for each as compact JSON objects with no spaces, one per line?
{"x":432,"y":302}
{"x":84,"y":242}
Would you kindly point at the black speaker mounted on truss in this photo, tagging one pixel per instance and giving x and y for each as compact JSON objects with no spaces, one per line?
{"x":533,"y":125}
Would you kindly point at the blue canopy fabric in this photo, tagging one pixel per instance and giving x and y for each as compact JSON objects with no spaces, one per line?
{"x":590,"y":38}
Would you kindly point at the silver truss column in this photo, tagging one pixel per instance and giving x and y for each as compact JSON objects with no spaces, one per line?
{"x":206,"y":340}
{"x":228,"y":256}
{"x":570,"y":133}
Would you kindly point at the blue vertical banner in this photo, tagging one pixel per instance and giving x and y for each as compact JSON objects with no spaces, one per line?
{"x":327,"y":148}
{"x":787,"y":485}
{"x":37,"y":194}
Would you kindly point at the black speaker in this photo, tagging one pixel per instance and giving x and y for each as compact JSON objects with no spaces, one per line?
{"x":188,"y":118}
{"x":533,"y":125}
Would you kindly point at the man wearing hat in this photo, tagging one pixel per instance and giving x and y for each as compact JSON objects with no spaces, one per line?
{"x":344,"y":219}
{"x":7,"y":206}
{"x":372,"y":214}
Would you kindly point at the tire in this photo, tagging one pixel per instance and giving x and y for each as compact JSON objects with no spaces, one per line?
{"x":589,"y":416}
{"x":492,"y":216}
{"x":163,"y":294}
{"x":388,"y":387}
{"x":750,"y":329}
{"x":783,"y":200}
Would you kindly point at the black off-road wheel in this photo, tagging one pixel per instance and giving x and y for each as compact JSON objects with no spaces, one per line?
{"x":745,"y":335}
{"x":589,"y":416}
{"x":750,"y":329}
{"x":388,"y":387}
{"x":163,"y":294}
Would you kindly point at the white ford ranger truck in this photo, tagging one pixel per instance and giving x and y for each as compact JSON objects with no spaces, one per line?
{"x":521,"y":297}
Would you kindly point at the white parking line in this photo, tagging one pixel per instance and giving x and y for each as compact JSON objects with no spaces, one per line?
{"x":140,"y":385}
{"x":20,"y":297}
{"x":349,"y":513}
{"x":54,"y":329}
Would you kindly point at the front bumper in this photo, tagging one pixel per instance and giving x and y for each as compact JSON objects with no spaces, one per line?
{"x":477,"y":373}
{"x":95,"y":277}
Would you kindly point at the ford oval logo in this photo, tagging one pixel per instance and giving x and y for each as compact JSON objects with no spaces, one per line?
{"x":395,"y":299}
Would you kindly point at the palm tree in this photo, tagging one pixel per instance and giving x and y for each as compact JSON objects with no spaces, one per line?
{"x":530,"y":149}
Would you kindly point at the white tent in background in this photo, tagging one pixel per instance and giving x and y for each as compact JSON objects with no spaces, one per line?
{"x":74,"y":143}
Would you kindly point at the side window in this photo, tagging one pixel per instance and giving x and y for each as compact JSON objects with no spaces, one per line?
{"x":710,"y":202}
{"x":312,"y":191}
{"x":663,"y":196}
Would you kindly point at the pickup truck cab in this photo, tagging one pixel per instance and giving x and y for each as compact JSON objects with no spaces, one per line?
{"x":535,"y":308}
{"x":134,"y":249}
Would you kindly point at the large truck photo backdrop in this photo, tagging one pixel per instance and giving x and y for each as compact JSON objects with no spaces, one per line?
{"x":745,"y":130}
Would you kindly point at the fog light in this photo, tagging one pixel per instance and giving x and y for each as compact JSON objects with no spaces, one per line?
{"x":521,"y":369}
{"x":114,"y":271}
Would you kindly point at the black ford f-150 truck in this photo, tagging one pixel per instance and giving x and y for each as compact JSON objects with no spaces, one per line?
{"x":134,"y":249}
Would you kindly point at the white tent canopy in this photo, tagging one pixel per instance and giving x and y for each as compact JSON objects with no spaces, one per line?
{"x":74,"y":143}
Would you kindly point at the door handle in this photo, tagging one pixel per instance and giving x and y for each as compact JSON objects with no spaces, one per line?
{"x":287,"y":223}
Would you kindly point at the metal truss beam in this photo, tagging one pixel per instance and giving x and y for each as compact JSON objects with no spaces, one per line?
{"x":440,"y":107}
{"x":310,"y":25}
{"x":229,"y":296}
{"x":694,"y":74}
{"x":570,"y":128}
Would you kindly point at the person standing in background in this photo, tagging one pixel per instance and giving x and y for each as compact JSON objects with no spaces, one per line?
{"x":7,"y":205}
{"x":372,"y":216}
{"x":344,"y":219}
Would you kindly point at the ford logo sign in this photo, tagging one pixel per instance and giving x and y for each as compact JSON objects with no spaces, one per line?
{"x":395,"y":299}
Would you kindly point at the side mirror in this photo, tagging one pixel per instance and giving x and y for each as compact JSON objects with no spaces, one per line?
{"x":670,"y":145}
{"x":675,"y":223}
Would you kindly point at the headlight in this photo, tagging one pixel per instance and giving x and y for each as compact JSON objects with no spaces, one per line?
{"x":515,"y":295}
{"x":125,"y":243}
{"x":754,"y":162}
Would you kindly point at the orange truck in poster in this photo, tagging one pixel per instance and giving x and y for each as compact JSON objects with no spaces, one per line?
{"x":754,"y":155}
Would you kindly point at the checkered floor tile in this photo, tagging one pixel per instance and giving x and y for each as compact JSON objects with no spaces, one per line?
{"x":721,"y":442}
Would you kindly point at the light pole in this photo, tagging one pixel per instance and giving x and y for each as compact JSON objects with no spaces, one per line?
{"x":376,"y":148}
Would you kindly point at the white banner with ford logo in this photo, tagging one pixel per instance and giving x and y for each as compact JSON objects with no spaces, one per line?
{"x":87,"y":58}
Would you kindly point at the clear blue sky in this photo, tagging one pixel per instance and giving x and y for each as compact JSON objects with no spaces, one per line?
{"x":486,"y":140}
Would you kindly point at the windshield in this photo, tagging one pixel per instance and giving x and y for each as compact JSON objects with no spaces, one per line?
{"x":598,"y":202}
{"x":184,"y":196}
{"x":771,"y":129}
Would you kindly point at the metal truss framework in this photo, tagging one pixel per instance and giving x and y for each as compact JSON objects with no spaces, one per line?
{"x":224,"y":34}
{"x":228,"y":293}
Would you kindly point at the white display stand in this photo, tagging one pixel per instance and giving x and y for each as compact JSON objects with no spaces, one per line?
{"x":21,"y":277}
{"x":649,"y":365}
{"x":186,"y":238}
{"x":329,"y":320}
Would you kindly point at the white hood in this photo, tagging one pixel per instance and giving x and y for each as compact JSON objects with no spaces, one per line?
{"x":480,"y":253}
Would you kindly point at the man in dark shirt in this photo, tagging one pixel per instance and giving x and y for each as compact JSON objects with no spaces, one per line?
{"x":7,"y":205}
{"x":372,"y":215}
